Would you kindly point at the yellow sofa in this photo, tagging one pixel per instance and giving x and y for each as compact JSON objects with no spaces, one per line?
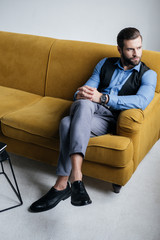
{"x":38,"y":77}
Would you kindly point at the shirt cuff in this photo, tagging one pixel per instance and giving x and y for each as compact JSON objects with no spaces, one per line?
{"x":75,"y":95}
{"x":113,"y":101}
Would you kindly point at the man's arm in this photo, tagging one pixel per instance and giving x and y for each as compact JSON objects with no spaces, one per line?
{"x":142,"y":98}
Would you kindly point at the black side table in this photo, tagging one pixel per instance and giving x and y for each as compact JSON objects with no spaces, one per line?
{"x":5,"y":157}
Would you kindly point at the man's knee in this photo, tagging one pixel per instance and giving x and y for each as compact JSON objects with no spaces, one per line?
{"x":65,"y":123}
{"x":82,"y":104}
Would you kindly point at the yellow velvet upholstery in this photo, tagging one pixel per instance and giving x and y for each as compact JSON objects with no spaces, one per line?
{"x":13,"y":99}
{"x":119,"y":150}
{"x":151,"y":59}
{"x":142,"y":127}
{"x":40,"y":119}
{"x":23,"y":61}
{"x":38,"y":77}
{"x":71,"y":63}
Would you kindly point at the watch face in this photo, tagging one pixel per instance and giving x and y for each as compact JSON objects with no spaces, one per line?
{"x":103,"y":99}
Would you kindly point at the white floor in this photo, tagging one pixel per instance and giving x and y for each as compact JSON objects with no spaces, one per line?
{"x":134,"y":214}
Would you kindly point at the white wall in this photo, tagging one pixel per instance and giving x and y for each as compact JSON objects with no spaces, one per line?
{"x":86,"y":20}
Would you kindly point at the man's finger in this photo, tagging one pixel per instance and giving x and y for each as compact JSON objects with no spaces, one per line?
{"x":86,"y":90}
{"x":90,"y":88}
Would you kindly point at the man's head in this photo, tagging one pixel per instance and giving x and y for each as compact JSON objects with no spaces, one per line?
{"x":129,"y":42}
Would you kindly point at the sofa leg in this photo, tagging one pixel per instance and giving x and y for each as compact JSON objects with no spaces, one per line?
{"x":116,"y":187}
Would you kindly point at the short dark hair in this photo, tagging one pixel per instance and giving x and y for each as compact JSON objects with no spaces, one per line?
{"x":127,"y":34}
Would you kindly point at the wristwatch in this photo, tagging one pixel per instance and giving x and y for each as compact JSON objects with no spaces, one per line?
{"x":103,"y":99}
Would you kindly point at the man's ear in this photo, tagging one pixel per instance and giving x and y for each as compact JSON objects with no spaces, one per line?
{"x":119,"y":50}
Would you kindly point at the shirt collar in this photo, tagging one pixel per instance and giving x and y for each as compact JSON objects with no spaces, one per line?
{"x":137,"y":67}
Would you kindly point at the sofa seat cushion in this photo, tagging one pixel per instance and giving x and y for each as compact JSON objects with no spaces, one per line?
{"x":38,"y":120}
{"x":39,"y":124}
{"x":12,"y":100}
{"x":112,"y":150}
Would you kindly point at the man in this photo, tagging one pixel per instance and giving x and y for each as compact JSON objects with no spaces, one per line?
{"x":115,"y":85}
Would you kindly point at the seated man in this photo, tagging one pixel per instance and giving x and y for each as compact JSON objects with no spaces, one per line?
{"x":116,"y":84}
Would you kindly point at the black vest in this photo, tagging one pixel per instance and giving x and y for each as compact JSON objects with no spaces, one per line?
{"x":132,"y":84}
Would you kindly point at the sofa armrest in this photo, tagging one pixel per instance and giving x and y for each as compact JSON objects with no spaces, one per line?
{"x":129,"y":125}
{"x":142,"y":127}
{"x":129,"y":122}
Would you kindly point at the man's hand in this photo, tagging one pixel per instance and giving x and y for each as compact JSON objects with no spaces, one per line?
{"x":96,"y":96}
{"x":90,"y":93}
{"x":85,"y":92}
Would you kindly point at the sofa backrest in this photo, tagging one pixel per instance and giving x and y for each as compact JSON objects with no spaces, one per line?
{"x":152,"y":60}
{"x":71,"y":63}
{"x":53,"y":67}
{"x":23,"y":61}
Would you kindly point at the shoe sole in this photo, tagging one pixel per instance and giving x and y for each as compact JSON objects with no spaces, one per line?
{"x":81,"y":204}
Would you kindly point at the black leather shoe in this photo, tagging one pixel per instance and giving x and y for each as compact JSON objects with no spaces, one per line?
{"x":51,"y":199}
{"x":79,"y":195}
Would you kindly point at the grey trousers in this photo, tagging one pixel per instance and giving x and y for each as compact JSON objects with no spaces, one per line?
{"x":87,"y":119}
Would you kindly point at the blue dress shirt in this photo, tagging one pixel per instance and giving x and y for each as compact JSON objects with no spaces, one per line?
{"x":142,"y":98}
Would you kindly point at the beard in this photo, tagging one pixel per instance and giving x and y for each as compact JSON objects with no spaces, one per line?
{"x":134,"y":61}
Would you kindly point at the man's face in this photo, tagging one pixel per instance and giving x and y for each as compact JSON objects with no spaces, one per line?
{"x":132,"y":52}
